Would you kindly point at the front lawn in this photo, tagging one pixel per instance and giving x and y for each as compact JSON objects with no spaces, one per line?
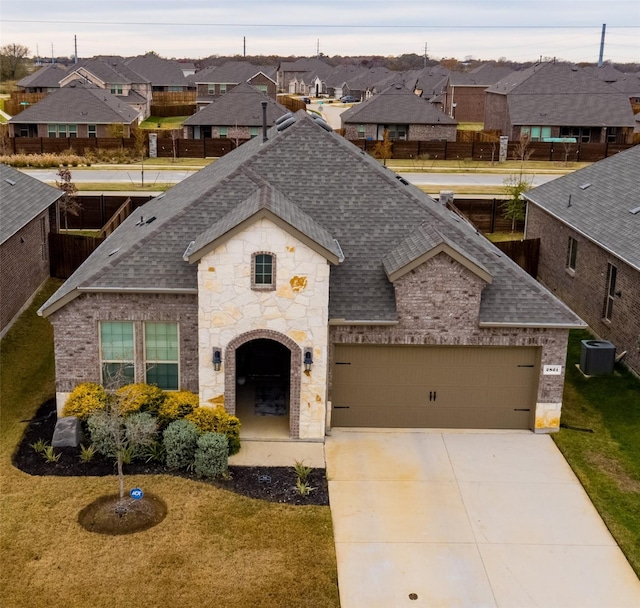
{"x":606,"y":460}
{"x":163,"y":122}
{"x":213,"y":549}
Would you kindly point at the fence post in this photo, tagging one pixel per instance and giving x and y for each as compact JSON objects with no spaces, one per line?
{"x":493,"y":216}
{"x":445,"y":149}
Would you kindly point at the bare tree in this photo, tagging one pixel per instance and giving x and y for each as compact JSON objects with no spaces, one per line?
{"x":68,"y":204}
{"x":568,"y":147}
{"x":175,"y":136}
{"x":13,"y":61}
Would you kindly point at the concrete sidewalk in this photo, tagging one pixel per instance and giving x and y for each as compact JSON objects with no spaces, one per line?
{"x":467,"y":519}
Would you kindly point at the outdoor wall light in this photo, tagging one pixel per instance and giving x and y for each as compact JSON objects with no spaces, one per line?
{"x":308,"y":360}
{"x":217,"y":360}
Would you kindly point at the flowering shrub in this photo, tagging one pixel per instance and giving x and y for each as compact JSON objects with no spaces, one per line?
{"x":217,"y":420}
{"x":139,"y":397}
{"x":85,"y":399}
{"x":177,"y":405}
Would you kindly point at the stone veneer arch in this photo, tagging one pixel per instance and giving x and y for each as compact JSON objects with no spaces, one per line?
{"x":294,"y":378}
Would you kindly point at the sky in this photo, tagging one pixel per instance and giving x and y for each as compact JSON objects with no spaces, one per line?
{"x":482,"y":29}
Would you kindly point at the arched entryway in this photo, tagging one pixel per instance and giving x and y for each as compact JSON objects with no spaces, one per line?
{"x":262,"y":383}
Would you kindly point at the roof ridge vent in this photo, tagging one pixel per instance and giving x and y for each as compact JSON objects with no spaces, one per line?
{"x":9,"y":181}
{"x":585,"y":186}
{"x":635,"y":210}
{"x":286,"y":124}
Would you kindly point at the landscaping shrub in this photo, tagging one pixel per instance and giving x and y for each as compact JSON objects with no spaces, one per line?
{"x":85,"y":399}
{"x":217,"y":420}
{"x":177,"y":405}
{"x":212,"y":456}
{"x":180,"y":443}
{"x":139,"y":398}
{"x":112,"y":434}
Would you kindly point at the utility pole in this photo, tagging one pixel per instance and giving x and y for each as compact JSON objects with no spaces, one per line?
{"x":75,"y":46}
{"x":318,"y":49}
{"x":425,"y":54}
{"x":244,"y":46}
{"x":600,"y":59}
{"x":52,"y":57}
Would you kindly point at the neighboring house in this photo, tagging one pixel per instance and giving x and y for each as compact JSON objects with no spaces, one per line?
{"x":298,"y":277}
{"x":400,"y":111}
{"x":290,"y":71}
{"x":113,"y":75}
{"x":429,"y":83}
{"x":549,"y":101}
{"x":625,"y":82}
{"x":465,"y":92}
{"x":76,"y":110}
{"x":214,"y":82}
{"x":238,"y":114}
{"x":369,"y":82}
{"x":165,"y":75}
{"x":588,"y":223}
{"x":26,"y":205}
{"x":45,"y":80}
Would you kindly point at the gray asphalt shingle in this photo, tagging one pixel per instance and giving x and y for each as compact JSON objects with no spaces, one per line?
{"x":22,"y":198}
{"x":347,"y":193}
{"x":602,"y":210}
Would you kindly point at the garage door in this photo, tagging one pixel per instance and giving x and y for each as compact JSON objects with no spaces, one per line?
{"x":439,"y":387}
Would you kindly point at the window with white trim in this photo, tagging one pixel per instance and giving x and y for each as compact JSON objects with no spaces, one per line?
{"x":117,"y":353}
{"x":92,"y":131}
{"x":253,"y":132}
{"x":572,"y":252}
{"x":116,"y":89}
{"x":612,"y":273}
{"x":222,"y":131}
{"x":263,"y":270}
{"x":223,"y":89}
{"x":161,"y":353}
{"x":361,"y":131}
{"x":211,"y":89}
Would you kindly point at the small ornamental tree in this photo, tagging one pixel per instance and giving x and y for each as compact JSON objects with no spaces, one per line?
{"x":121,"y":437}
{"x":68,"y":203}
{"x":383,"y":149}
{"x":514,"y":207}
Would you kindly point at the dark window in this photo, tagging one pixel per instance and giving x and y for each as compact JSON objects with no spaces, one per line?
{"x":612,"y":272}
{"x":572,"y":251}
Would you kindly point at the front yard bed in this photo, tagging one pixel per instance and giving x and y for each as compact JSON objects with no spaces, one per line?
{"x":600,"y":438}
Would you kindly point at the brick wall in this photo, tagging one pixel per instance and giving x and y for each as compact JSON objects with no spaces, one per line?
{"x":77,"y":351}
{"x":416,"y":132}
{"x":584,"y":290}
{"x":469,"y":103}
{"x":496,"y":113}
{"x":24,"y":260}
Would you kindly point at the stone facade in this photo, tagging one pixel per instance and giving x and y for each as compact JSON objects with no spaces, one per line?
{"x":294,"y":313}
{"x":438,"y":303}
{"x":77,"y":352}
{"x":584,"y":290}
{"x":24,"y":259}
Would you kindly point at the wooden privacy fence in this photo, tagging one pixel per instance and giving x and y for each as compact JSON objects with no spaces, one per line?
{"x":414,"y":150}
{"x":524,"y":253}
{"x":123,"y":212}
{"x":68,"y":251}
{"x":173,"y":110}
{"x":485,"y":214}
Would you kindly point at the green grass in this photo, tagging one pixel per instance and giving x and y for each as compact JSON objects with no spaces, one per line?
{"x":467,"y":165}
{"x":500,"y":237}
{"x":162,"y":122}
{"x":213,"y":549}
{"x":607,"y":461}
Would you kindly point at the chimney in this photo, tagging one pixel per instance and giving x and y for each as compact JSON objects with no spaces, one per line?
{"x":264,"y":121}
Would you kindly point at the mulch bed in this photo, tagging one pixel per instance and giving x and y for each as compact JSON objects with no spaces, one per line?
{"x":274,"y":484}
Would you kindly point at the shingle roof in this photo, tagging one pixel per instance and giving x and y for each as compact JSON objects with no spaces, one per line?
{"x":482,"y":76}
{"x":240,"y":106}
{"x":231,"y":72}
{"x":347,"y":193}
{"x":158,"y":71}
{"x":557,"y":94}
{"x":302,"y":65}
{"x":78,"y":103}
{"x":111,"y":70}
{"x":397,"y":104}
{"x":47,"y":77}
{"x":22,"y":198}
{"x":602,"y":210}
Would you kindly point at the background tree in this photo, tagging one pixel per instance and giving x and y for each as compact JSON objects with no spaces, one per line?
{"x":514,"y":207}
{"x":68,"y":203}
{"x":13,"y":61}
{"x":383,"y":149}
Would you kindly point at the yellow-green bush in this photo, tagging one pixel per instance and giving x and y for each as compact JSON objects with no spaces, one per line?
{"x":177,"y":405}
{"x":139,"y":397}
{"x":85,"y":399}
{"x":217,"y":420}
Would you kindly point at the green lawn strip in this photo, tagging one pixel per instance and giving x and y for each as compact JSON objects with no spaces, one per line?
{"x":123,"y":187}
{"x":213,"y":549}
{"x":163,"y":122}
{"x":501,"y":237}
{"x":467,"y":166}
{"x":607,"y":461}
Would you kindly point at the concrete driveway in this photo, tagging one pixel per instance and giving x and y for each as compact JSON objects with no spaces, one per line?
{"x":467,"y":519}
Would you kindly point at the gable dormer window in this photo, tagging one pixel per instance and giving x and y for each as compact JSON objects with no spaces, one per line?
{"x":263,"y":271}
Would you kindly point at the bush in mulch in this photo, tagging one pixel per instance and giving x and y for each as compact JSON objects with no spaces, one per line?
{"x":274,"y":484}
